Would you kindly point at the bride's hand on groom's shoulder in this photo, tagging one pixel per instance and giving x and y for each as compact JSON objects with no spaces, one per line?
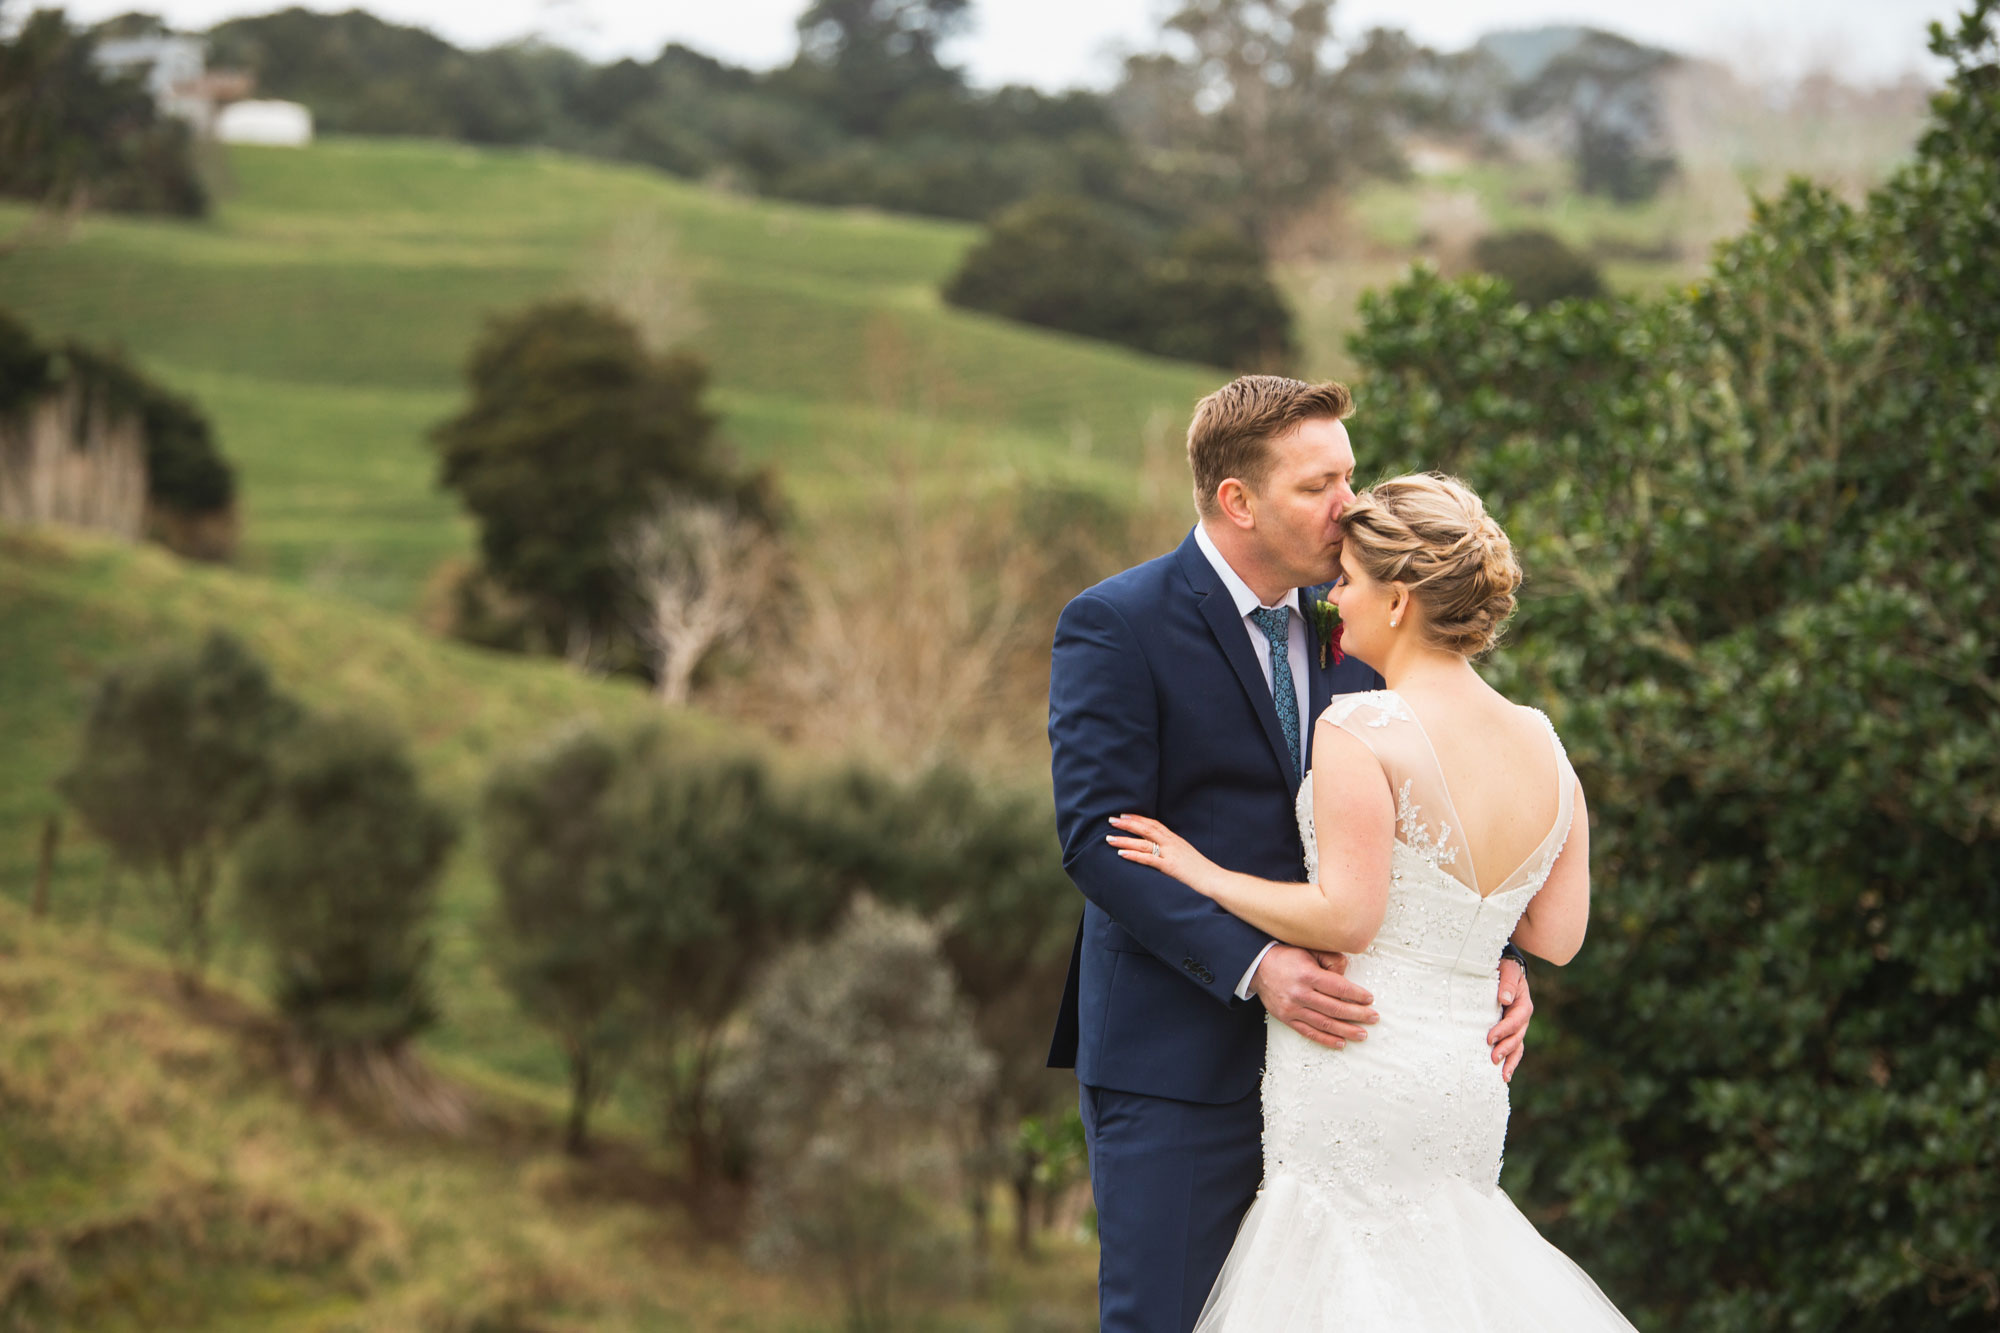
{"x":1310,"y":994}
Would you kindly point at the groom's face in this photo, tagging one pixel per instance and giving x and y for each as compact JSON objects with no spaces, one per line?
{"x":1299,"y":505}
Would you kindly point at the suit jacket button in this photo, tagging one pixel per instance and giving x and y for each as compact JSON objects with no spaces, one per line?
{"x":1188,"y":964}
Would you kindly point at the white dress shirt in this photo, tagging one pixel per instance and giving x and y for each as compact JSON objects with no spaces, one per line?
{"x":1296,"y":654}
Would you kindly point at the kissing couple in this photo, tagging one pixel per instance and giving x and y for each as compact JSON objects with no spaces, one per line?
{"x":1313,"y":846}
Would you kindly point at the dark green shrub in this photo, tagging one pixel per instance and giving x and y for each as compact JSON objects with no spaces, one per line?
{"x":175,"y":761}
{"x":1060,"y":263}
{"x":24,"y":365}
{"x":339,"y":878}
{"x":1067,"y":263}
{"x":554,"y":938}
{"x":1538,"y":266}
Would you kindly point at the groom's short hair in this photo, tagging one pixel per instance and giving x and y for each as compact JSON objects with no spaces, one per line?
{"x":1233,"y":427}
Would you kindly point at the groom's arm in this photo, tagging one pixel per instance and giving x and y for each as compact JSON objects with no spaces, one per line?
{"x":1105,"y":758}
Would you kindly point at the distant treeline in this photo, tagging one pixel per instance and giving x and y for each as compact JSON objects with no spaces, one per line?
{"x":73,"y":138}
{"x":867,"y":113}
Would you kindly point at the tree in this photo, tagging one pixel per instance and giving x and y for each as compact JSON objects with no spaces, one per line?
{"x":573,"y":430}
{"x":175,"y":762}
{"x":1060,"y":263}
{"x":72,"y":138}
{"x":1212,"y":301}
{"x":339,"y":878}
{"x":858,"y":1066}
{"x":1070,"y":264}
{"x":1607,"y":89}
{"x":702,"y":570}
{"x":1537,"y":265}
{"x":863,"y":58}
{"x":556,"y":923}
{"x":705,"y":879}
{"x":1757,"y":523}
{"x":975,"y":860}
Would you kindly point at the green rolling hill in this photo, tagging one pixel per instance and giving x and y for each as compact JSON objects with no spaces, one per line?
{"x":323,"y":314}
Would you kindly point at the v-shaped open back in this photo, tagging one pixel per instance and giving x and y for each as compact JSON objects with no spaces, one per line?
{"x":1427,"y":819}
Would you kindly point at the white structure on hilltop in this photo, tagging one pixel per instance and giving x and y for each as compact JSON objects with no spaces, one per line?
{"x":173,"y":69}
{"x":281,"y":124}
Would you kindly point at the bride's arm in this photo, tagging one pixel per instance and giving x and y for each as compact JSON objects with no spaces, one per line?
{"x":1558,"y":914}
{"x":1355,"y":820}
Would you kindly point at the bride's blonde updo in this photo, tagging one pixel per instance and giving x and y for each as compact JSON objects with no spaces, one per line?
{"x":1430,"y":533}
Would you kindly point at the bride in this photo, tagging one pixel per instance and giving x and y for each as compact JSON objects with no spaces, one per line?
{"x":1439,"y":821}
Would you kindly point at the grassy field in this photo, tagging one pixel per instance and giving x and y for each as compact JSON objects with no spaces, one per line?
{"x":324,"y":313}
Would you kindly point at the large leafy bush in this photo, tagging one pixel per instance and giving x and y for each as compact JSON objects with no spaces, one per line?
{"x":1761,"y":520}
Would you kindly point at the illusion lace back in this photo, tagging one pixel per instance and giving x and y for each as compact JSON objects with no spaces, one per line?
{"x":1381,"y":1207}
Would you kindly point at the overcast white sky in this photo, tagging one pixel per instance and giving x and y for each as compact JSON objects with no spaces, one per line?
{"x":1061,"y":43}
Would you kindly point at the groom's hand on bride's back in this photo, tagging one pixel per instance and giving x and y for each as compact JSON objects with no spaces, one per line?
{"x":1311,"y":994}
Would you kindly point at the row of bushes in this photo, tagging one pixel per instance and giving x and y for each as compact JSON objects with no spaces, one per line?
{"x":835,"y":986}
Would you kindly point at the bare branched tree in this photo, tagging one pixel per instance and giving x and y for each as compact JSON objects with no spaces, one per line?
{"x":640,"y":271}
{"x":700,"y":569}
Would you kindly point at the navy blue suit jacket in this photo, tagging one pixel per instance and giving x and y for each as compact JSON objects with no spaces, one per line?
{"x":1157,"y":706}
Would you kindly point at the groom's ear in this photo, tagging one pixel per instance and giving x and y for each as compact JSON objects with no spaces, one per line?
{"x":1232,"y":501}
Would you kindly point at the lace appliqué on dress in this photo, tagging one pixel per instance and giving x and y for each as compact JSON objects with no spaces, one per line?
{"x":1410,"y":829}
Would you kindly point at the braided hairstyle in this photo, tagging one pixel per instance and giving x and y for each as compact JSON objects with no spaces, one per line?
{"x":1432,"y":534}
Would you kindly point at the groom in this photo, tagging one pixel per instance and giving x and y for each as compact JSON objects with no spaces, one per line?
{"x":1186,"y":689}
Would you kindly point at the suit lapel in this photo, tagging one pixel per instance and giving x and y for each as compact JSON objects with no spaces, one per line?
{"x":1234,"y":640}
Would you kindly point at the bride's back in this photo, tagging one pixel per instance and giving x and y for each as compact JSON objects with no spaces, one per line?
{"x":1498,"y":769}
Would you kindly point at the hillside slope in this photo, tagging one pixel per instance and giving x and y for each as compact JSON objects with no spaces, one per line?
{"x":161,"y":1173}
{"x":70,"y":605}
{"x":324,"y":313}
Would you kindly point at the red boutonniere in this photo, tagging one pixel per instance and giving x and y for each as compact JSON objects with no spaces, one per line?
{"x":1326,"y":627}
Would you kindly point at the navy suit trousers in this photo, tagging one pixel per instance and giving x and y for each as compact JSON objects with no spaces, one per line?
{"x":1172,"y":1180}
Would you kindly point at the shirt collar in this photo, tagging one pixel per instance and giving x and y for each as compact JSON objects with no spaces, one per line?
{"x":1239,"y":591}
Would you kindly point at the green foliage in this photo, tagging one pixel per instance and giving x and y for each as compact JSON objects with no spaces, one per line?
{"x":1062,"y":264}
{"x":975,"y":859}
{"x":25,"y":372}
{"x":1537,"y":265}
{"x":1065,"y":263}
{"x":69,"y":136}
{"x":639,"y":888}
{"x":186,"y":473}
{"x":1609,"y":91}
{"x":859,"y":1063}
{"x":548,"y":838}
{"x":361,"y":75}
{"x":1758,"y":521}
{"x":339,"y":879}
{"x":174,"y":763}
{"x":864,"y":59}
{"x":573,"y":430}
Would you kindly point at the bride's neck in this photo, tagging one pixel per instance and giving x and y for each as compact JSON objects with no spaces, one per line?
{"x":1427,"y":667}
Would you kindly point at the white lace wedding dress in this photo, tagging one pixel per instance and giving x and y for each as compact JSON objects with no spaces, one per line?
{"x":1381,"y":1209}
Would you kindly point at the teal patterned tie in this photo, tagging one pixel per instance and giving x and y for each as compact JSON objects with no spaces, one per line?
{"x":1276,"y":622}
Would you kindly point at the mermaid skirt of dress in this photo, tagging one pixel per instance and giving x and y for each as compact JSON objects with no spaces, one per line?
{"x":1462,"y":1260}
